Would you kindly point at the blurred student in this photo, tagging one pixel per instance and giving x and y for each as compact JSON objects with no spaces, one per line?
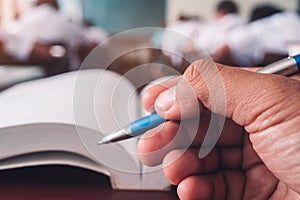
{"x":248,"y":46}
{"x":177,"y":38}
{"x":11,"y":48}
{"x":14,"y":50}
{"x":212,"y":35}
{"x":262,"y":11}
{"x":44,"y":24}
{"x":209,"y":37}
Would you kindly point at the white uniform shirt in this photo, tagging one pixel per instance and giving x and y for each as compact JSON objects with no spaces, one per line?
{"x":46,"y":25}
{"x":212,"y":36}
{"x":14,"y":46}
{"x":269,"y":35}
{"x":207,"y":38}
{"x":177,"y":39}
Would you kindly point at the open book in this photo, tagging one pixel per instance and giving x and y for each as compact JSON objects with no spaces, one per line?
{"x":59,"y":120}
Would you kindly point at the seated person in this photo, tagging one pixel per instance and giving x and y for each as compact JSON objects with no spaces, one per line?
{"x":177,"y":38}
{"x":44,"y":24}
{"x":227,"y":19}
{"x":248,"y":45}
{"x":208,"y":37}
{"x":262,"y":11}
{"x":16,"y":51}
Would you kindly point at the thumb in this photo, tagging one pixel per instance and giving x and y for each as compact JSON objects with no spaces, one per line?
{"x":200,"y":86}
{"x":232,"y":92}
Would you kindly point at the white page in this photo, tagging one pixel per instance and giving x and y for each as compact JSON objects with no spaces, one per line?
{"x":101,"y":100}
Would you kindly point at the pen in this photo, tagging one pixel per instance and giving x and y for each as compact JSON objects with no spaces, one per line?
{"x":286,"y":67}
{"x":135,"y":128}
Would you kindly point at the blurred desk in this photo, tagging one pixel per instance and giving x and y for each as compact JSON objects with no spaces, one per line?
{"x":13,"y":74}
{"x":66,"y":183}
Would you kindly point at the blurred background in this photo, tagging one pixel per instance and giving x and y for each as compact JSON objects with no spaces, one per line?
{"x":40,"y":38}
{"x":119,"y":15}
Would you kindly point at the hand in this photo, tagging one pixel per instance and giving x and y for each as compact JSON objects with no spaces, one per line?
{"x":257,"y":155}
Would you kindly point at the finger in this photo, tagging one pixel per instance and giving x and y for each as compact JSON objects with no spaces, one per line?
{"x":222,"y":185}
{"x":260,"y":183}
{"x":179,"y":102}
{"x":176,"y":169}
{"x":156,"y":143}
{"x":251,"y":159}
{"x":252,"y":69}
{"x":230,"y":158}
{"x":296,"y":77}
{"x":231,"y":133}
{"x":153,"y":92}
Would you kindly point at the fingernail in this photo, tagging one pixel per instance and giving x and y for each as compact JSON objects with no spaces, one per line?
{"x":165,"y":100}
{"x":151,"y":109}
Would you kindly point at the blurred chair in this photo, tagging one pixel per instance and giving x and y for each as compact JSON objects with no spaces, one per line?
{"x":53,"y":57}
{"x":14,"y":74}
{"x":45,"y":60}
{"x":84,"y":50}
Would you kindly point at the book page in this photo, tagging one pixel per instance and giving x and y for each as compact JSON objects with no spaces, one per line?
{"x":101,"y":101}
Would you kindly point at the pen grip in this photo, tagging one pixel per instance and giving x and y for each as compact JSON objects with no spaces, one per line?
{"x":144,"y":124}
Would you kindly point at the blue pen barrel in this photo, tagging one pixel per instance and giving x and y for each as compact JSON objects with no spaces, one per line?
{"x":146,"y":123}
{"x":297,"y":60}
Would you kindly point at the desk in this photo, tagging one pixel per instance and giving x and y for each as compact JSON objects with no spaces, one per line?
{"x":13,"y":74}
{"x":66,"y":183}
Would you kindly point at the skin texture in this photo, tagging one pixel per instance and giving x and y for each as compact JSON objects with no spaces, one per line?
{"x":257,"y":155}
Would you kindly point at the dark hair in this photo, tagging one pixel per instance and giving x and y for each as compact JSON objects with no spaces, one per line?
{"x":52,"y":3}
{"x":227,"y":7}
{"x":263,"y":11}
{"x":184,"y":17}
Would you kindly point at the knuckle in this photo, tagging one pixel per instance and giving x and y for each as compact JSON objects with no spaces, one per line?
{"x":194,"y":70}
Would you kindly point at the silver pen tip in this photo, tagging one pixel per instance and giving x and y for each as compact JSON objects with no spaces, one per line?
{"x":117,"y":136}
{"x":103,"y":141}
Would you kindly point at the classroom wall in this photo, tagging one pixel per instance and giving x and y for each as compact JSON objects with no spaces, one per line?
{"x":119,"y":15}
{"x":205,"y":8}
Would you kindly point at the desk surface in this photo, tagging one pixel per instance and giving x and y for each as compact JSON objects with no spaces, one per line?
{"x":12,"y":74}
{"x":62,"y":183}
